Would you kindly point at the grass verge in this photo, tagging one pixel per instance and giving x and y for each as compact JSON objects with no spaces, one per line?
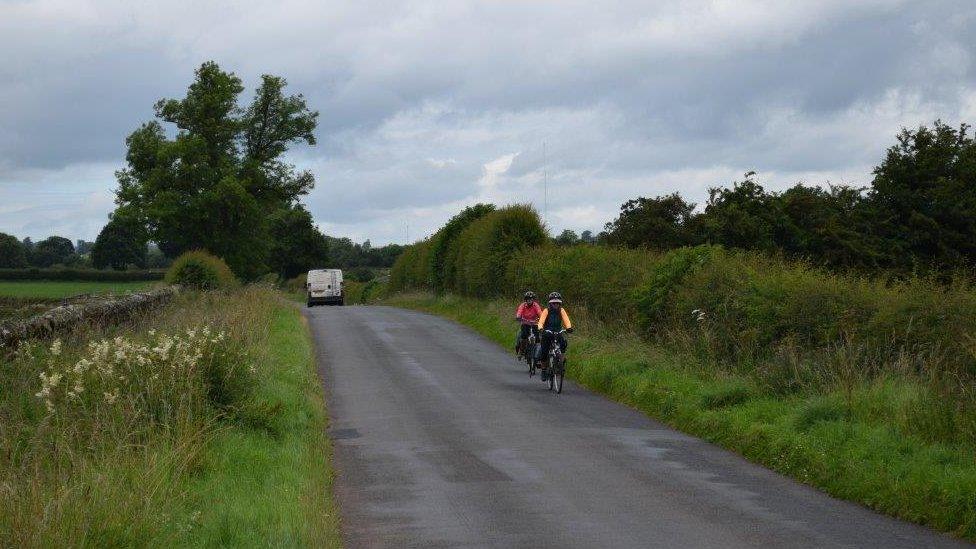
{"x":847,"y":441}
{"x":268,"y":480}
{"x":201,"y":424}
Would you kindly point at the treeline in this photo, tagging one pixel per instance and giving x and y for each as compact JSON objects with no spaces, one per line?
{"x":918,"y":215}
{"x":60,"y":252}
{"x":346,"y":254}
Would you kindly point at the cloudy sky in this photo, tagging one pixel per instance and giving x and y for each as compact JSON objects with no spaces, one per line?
{"x":427,"y":106}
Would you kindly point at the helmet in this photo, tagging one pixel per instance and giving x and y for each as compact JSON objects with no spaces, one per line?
{"x":555,"y":297}
{"x":528,"y":296}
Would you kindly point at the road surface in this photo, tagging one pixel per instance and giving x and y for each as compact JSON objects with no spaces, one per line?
{"x":442,"y":440}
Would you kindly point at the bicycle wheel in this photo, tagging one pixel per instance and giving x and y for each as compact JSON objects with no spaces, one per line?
{"x":558,"y":375}
{"x":552,"y":372}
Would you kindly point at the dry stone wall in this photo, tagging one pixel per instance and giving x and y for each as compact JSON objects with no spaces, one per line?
{"x":64,"y":318}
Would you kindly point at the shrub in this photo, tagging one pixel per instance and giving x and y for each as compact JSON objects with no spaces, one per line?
{"x":201,"y":270}
{"x":297,"y":284}
{"x":360,"y":274}
{"x":664,"y":278}
{"x":441,"y":245}
{"x":412,"y":269}
{"x":599,"y":279}
{"x":486,"y":246}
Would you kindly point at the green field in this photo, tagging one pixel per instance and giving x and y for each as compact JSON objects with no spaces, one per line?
{"x":57,"y":289}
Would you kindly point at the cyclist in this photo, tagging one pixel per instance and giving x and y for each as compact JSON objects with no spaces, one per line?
{"x":553,"y":319}
{"x":528,"y":314}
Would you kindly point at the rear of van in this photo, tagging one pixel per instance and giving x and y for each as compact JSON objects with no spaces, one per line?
{"x":324,"y":286}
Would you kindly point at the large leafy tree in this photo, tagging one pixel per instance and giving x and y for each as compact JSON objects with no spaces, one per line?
{"x":218,"y":181}
{"x":121,"y":243}
{"x":923,"y":199}
{"x":658,"y":223}
{"x":297,"y":244}
{"x":13,"y":254}
{"x":53,"y":250}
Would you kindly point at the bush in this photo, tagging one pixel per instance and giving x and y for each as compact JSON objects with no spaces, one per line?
{"x":488,"y":244}
{"x":360,"y":274}
{"x":297,"y":284}
{"x":201,"y":270}
{"x":412,"y":269}
{"x":441,"y":246}
{"x":664,"y":278}
{"x":595,"y":278}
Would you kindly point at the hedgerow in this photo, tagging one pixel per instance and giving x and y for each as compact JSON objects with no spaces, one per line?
{"x":788,"y":325}
{"x":93,"y":275}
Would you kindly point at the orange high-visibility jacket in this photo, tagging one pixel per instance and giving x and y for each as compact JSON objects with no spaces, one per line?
{"x":567,"y":324}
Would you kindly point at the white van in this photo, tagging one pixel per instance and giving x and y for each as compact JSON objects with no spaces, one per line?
{"x":324,"y":286}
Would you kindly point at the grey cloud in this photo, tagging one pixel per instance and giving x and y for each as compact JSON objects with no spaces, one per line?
{"x":630,"y":98}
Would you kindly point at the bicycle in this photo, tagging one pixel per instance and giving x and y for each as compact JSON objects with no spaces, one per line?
{"x":528,"y":352}
{"x":557,"y":363}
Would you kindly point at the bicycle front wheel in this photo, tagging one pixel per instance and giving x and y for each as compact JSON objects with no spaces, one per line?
{"x":557,"y":376}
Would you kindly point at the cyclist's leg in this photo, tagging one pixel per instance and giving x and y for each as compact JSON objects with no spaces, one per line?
{"x":523,"y":334}
{"x":563,"y":343}
{"x":542,"y":351}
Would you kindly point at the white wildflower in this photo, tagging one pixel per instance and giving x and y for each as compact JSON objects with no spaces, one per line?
{"x":56,"y":347}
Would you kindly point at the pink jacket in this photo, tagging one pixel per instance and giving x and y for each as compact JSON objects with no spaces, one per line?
{"x":528,"y":314}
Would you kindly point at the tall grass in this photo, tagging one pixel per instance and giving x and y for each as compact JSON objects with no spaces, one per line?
{"x":103,"y":432}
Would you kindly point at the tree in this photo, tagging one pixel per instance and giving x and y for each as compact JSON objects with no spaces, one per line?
{"x":826,"y":226}
{"x":567,"y":238}
{"x":121,"y":242}
{"x":13,"y":254}
{"x":587,"y":237}
{"x":217,"y":183}
{"x":53,"y":250}
{"x":658,"y":223}
{"x":922,"y":200}
{"x":743,"y":216}
{"x":296,"y":244}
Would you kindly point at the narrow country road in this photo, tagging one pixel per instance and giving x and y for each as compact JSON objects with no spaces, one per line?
{"x":442,"y":440}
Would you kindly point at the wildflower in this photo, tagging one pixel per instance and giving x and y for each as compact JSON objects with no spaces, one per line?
{"x":81,"y":366}
{"x":111,"y":397}
{"x":56,"y":347}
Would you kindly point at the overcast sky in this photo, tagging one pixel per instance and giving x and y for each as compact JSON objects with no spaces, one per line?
{"x":430,"y":106}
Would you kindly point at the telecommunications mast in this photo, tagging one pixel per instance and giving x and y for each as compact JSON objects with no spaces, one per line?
{"x":545,"y":185}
